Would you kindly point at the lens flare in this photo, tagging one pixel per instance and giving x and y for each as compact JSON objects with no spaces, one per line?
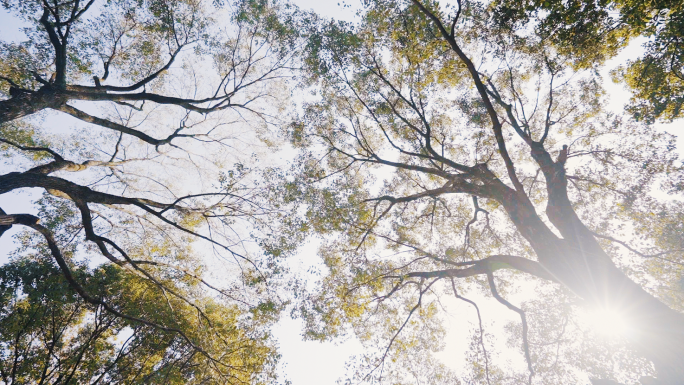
{"x":606,"y":322}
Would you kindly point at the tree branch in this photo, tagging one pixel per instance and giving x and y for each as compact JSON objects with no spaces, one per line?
{"x":637,"y":252}
{"x":34,"y":149}
{"x":488,"y":265}
{"x":479,"y":320}
{"x":523,"y":319}
{"x":32,"y":222}
{"x":118,"y":127}
{"x":496,"y":124}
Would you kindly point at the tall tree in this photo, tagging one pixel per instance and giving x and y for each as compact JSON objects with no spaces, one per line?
{"x":444,"y":152}
{"x":170,"y":104}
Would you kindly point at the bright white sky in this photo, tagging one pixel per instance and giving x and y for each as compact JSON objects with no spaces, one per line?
{"x":314,"y":363}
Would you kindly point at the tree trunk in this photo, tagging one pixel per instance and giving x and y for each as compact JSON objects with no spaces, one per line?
{"x":655,"y":330}
{"x":578,"y":262}
{"x":25,"y":103}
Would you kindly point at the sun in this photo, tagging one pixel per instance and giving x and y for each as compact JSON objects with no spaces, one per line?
{"x":605,"y":321}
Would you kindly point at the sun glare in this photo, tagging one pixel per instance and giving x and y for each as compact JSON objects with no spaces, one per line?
{"x":606,"y":322}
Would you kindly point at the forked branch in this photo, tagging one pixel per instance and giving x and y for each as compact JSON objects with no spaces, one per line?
{"x":482,"y":90}
{"x":479,"y":320}
{"x":523,"y":319}
{"x":33,"y":222}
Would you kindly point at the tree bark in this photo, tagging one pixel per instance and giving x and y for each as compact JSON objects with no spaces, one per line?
{"x":25,"y":103}
{"x":580,"y":263}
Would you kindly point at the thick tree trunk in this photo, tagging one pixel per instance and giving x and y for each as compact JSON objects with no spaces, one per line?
{"x":578,"y":261}
{"x":26,"y":103}
{"x":655,"y":330}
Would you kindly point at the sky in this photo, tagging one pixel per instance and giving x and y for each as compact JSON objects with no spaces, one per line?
{"x":315,"y":363}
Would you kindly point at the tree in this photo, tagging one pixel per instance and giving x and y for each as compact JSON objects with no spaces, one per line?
{"x":593,"y":31}
{"x":444,"y":152}
{"x":170,"y":106}
{"x":51,"y":335}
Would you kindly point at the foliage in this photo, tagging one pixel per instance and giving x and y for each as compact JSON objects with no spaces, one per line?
{"x":450,"y":151}
{"x":446,"y":153}
{"x":143,"y":123}
{"x":51,"y":335}
{"x":593,"y":31}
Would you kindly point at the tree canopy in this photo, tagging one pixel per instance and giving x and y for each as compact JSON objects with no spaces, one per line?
{"x":51,"y":335}
{"x":141,"y":123}
{"x":459,"y":151}
{"x":592,"y":31}
{"x":456,"y":149}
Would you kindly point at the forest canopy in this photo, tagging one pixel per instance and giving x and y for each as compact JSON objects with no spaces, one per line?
{"x":141,"y":124}
{"x":439,"y":153}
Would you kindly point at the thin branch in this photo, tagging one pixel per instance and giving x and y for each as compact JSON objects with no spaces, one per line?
{"x":637,"y":252}
{"x":523,"y":319}
{"x":479,"y":320}
{"x":32,"y":222}
{"x":394,"y":337}
{"x":33,"y":149}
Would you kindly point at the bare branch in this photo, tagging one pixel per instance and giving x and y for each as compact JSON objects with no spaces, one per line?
{"x":490,"y":264}
{"x":523,"y":319}
{"x":479,"y":320}
{"x":635,"y":251}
